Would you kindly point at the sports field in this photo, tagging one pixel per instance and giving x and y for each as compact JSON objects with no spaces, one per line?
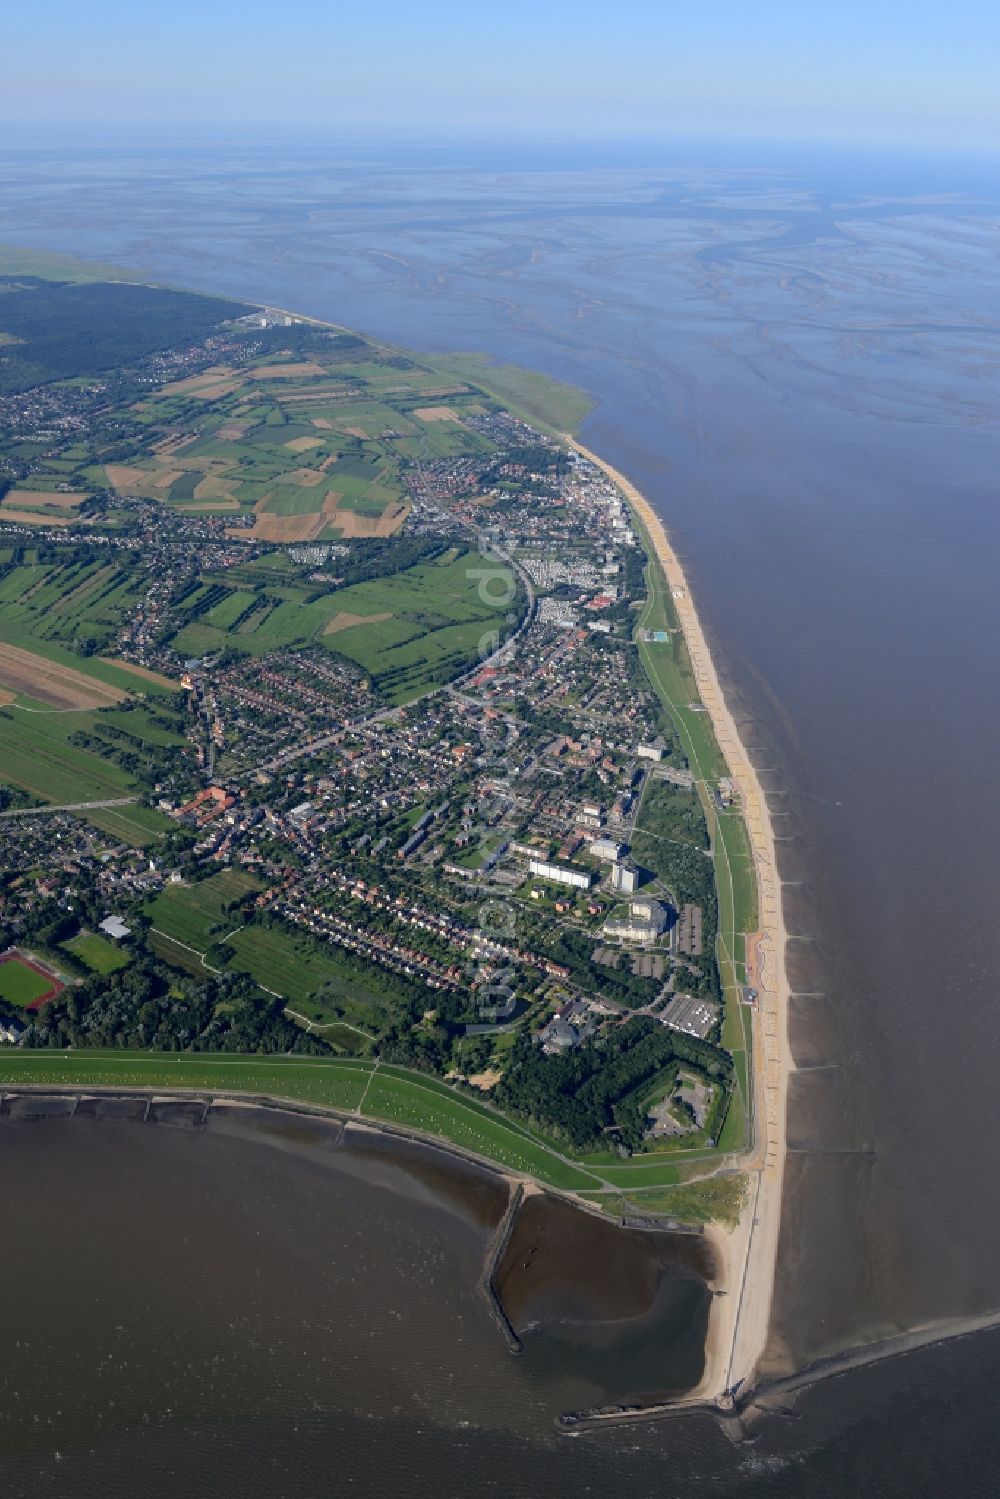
{"x":23,"y":982}
{"x":100,"y":955}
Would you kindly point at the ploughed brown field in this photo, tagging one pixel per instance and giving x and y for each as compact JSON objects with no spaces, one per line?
{"x":209,"y":382}
{"x":351,"y":524}
{"x":42,"y":497}
{"x":343,"y":620}
{"x":436,"y":414}
{"x":51,"y":683}
{"x":35,"y":518}
{"x":286,"y":528}
{"x":124,"y":477}
{"x":286,"y":371}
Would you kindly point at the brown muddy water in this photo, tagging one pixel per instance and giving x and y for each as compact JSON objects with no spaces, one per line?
{"x":266,"y":1309}
{"x":796,"y":359}
{"x":277,"y":1266}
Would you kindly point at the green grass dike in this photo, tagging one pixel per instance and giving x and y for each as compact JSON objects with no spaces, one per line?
{"x":668,"y":667}
{"x":381,"y":1094}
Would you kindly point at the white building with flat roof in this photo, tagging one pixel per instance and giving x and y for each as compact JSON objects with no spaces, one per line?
{"x":113,"y":926}
{"x":561,"y":874}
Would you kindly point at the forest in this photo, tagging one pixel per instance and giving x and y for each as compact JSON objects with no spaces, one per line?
{"x":65,"y":330}
{"x":589,"y":1096}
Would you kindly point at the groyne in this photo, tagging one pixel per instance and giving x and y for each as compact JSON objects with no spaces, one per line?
{"x":495,"y":1254}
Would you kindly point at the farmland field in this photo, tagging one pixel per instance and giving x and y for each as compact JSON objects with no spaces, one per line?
{"x":278,"y":960}
{"x":35,"y":755}
{"x":49,"y":682}
{"x":135,"y":825}
{"x":409,"y":631}
{"x":318,"y":983}
{"x":51,"y":608}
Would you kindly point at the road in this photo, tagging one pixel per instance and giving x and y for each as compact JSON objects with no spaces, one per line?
{"x":119,"y":801}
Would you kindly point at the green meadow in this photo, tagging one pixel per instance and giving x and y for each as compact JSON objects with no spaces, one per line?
{"x":35,"y":755}
{"x":383,"y":1094}
{"x":201,"y":913}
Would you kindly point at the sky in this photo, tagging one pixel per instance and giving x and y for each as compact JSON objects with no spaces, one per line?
{"x":894,"y":72}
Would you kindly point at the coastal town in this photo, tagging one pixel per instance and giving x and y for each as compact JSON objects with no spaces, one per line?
{"x":477,"y":866}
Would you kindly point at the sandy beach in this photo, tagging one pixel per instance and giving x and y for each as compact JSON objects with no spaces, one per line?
{"x":746,"y":1255}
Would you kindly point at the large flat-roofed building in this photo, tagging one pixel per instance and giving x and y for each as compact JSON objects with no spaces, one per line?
{"x":113,"y":926}
{"x":606,"y":848}
{"x":645,"y":921}
{"x":561,"y":874}
{"x":695,"y":1017}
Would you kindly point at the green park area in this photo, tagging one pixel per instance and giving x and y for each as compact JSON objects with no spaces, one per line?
{"x":320,"y":981}
{"x":668,"y":667}
{"x":133,"y":824}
